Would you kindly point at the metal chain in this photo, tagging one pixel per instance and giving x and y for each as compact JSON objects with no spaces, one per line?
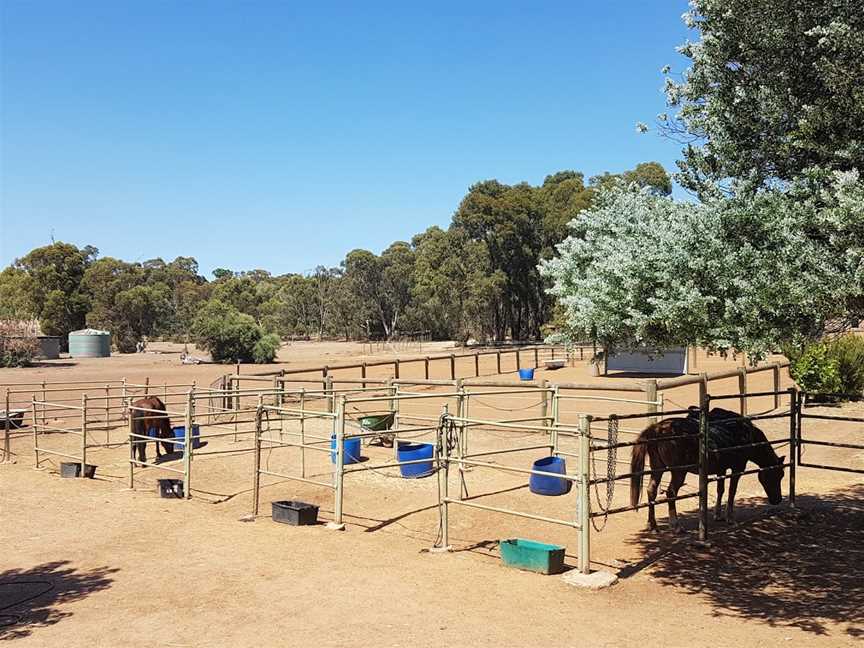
{"x":505,"y":409}
{"x":611,"y":471}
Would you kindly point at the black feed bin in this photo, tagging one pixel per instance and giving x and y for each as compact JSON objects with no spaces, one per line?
{"x":73,"y":469}
{"x":295,"y":513}
{"x":171,"y":488}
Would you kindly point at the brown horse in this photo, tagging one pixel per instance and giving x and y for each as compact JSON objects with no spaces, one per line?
{"x":142,"y":421}
{"x":673,"y":444}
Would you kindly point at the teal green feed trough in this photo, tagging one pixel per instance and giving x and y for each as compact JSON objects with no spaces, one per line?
{"x":531,"y":555}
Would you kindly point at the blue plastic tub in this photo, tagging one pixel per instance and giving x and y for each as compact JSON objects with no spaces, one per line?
{"x":543,"y":485}
{"x":526,"y":374}
{"x":179,"y":435}
{"x":413,"y":452}
{"x":351,"y":450}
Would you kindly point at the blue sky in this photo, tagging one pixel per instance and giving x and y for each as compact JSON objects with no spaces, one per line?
{"x":281,"y":135}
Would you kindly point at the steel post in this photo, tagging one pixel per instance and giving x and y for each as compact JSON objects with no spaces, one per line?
{"x":703,"y":468}
{"x":584,"y":505}
{"x":793,"y":441}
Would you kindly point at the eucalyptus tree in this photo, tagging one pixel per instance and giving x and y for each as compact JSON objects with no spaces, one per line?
{"x":52,"y":285}
{"x":455,"y":289}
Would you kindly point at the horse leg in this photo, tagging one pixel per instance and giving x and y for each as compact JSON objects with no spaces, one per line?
{"x":142,"y":450}
{"x":137,"y":444}
{"x":730,"y":501}
{"x":653,"y":486}
{"x":675,"y":483}
{"x":718,"y":505}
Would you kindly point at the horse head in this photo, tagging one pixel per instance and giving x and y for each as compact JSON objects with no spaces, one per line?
{"x":771,"y":479}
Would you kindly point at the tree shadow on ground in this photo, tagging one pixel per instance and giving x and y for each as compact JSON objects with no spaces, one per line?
{"x":797,"y":567}
{"x":29,"y":598}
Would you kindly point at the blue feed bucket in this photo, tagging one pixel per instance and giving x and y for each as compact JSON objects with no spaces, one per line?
{"x":180,"y":434}
{"x":350,"y":449}
{"x":413,"y":452}
{"x":543,"y":485}
{"x":526,"y":374}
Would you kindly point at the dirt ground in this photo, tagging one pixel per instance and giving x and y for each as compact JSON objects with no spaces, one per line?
{"x":108,"y":566}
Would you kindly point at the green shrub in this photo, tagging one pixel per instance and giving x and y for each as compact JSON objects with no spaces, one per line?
{"x":226,"y":333}
{"x":831,"y":367}
{"x":849,"y":352}
{"x":816,"y":369}
{"x":266,"y":349}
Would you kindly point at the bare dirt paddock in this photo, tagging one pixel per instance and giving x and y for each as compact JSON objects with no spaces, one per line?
{"x":102,"y":565}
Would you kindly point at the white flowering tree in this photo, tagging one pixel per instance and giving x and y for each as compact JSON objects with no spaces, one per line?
{"x":752,"y":273}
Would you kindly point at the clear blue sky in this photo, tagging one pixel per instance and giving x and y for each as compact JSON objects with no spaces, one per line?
{"x":281,"y":135}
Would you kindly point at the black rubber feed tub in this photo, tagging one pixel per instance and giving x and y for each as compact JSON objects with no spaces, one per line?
{"x":171,"y":488}
{"x":73,"y":469}
{"x":295,"y":513}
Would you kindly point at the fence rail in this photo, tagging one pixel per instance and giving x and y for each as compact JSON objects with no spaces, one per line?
{"x":267,"y":409}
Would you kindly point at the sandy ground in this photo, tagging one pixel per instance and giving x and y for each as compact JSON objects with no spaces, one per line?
{"x":108,"y":566}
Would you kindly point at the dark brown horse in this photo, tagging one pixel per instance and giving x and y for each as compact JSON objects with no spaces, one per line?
{"x":146,"y":418}
{"x":673,"y":443}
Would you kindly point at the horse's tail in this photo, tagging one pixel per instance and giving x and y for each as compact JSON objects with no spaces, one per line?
{"x":637,"y":466}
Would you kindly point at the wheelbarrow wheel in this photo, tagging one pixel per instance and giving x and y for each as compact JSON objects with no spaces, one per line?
{"x":385,"y":440}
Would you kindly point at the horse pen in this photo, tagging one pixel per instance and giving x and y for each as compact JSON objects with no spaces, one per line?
{"x":250,"y":439}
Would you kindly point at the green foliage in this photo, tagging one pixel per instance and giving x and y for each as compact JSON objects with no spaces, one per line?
{"x":647,"y":175}
{"x":225,"y":332}
{"x":507,"y":221}
{"x":50,"y":286}
{"x":266,"y":348}
{"x":15,"y":295}
{"x":817,"y":370}
{"x":455,"y":287}
{"x":774,"y":88}
{"x":142,"y":310}
{"x":246,"y":292}
{"x":849,"y":352}
{"x":62,"y":313}
{"x":478,"y":278}
{"x":139,"y":300}
{"x":752,"y":273}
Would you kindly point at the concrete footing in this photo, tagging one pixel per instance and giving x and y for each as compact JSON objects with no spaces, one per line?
{"x":440,"y":550}
{"x":594,"y":581}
